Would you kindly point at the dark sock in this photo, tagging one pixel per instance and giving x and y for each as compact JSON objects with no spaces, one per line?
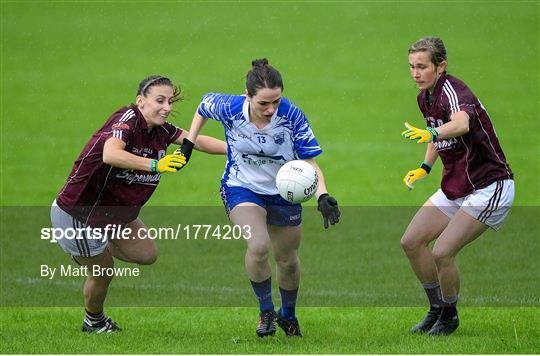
{"x":433,"y":292}
{"x":449,"y":307}
{"x":263,"y":291}
{"x":288,"y":303}
{"x":94,"y":318}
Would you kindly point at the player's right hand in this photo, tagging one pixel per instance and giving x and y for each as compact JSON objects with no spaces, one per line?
{"x":185,"y":150}
{"x":413,"y":176}
{"x":169,"y":163}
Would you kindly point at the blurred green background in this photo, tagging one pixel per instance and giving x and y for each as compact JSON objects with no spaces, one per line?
{"x":66,"y":66}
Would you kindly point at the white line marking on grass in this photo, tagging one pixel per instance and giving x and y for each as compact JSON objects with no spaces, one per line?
{"x":486,"y":300}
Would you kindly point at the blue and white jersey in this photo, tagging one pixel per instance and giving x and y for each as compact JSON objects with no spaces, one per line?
{"x":255,"y":155}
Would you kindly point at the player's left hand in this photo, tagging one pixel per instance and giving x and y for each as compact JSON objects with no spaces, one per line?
{"x":422,"y":136}
{"x":328,"y":206}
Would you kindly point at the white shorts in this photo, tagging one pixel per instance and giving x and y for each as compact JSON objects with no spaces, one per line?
{"x":489,"y":205}
{"x":85,"y":244}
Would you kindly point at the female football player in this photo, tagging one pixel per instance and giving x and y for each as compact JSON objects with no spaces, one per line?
{"x":264,"y":131}
{"x":477,"y":188}
{"x":116,"y":173}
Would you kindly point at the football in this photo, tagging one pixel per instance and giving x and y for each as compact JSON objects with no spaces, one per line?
{"x":297,"y":181}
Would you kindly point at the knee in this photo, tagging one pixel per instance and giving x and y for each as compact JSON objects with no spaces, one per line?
{"x":259,"y":253}
{"x":409,"y":244}
{"x":288,"y":264}
{"x":442,"y":257}
{"x":147,"y":257}
{"x":415,"y":240}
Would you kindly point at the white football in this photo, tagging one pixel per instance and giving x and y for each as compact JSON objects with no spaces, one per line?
{"x":297,"y":181}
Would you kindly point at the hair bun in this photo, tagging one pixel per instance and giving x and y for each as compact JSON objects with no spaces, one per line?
{"x":259,"y":62}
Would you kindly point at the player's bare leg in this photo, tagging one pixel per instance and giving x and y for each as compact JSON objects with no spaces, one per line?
{"x":462,"y":230}
{"x":285,"y":244}
{"x":258,"y":245}
{"x":138,"y":248}
{"x":256,"y":261}
{"x":426,"y":226}
{"x":95,"y":287}
{"x":95,"y":291}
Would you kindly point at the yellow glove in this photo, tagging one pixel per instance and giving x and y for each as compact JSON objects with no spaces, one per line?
{"x":423,"y":136}
{"x":416,"y":174}
{"x":169,"y":163}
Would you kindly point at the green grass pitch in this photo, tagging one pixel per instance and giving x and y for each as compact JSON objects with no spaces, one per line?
{"x":66,"y":66}
{"x":230,"y":330}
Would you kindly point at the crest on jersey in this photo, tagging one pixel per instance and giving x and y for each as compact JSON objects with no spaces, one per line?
{"x":120,"y":126}
{"x":279,"y":138}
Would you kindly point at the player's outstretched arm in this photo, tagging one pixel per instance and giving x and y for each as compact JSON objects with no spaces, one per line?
{"x":326,"y":204}
{"x":114,"y":154}
{"x":457,"y":126}
{"x":206,"y":144}
{"x":211,"y":145}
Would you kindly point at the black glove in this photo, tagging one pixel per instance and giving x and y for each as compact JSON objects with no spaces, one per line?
{"x":328,"y":206}
{"x":186,"y":149}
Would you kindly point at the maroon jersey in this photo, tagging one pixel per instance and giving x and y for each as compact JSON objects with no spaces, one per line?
{"x":97,"y":193}
{"x":471,"y":161}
